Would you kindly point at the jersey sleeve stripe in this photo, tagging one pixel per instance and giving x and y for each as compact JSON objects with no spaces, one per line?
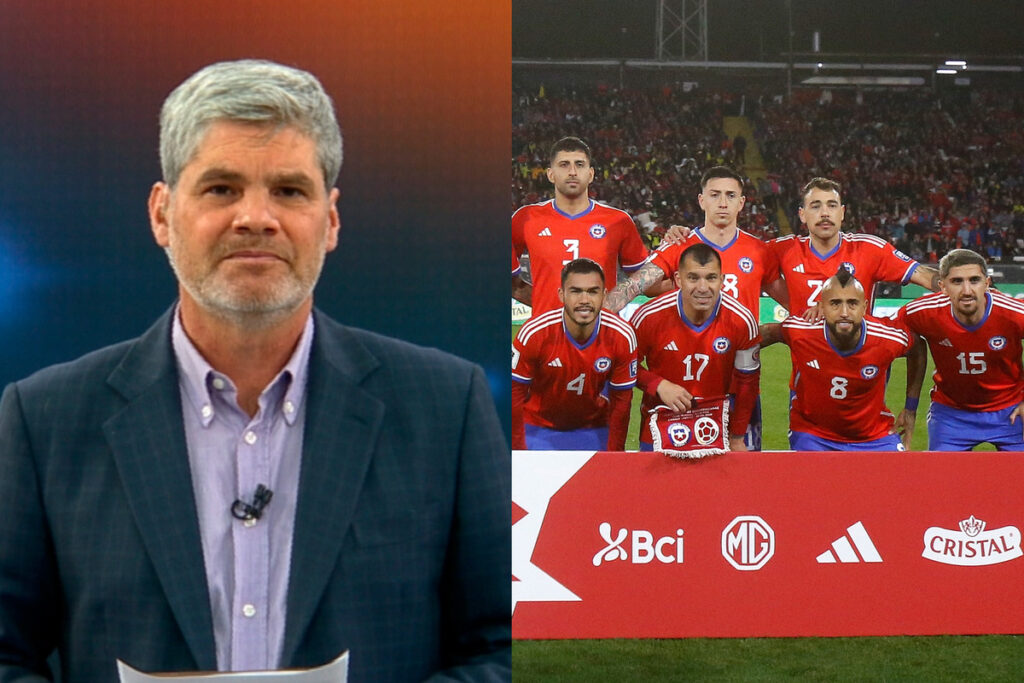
{"x":879,"y":330}
{"x":733,"y":305}
{"x":1007,"y":302}
{"x":523,"y":379}
{"x":651,"y":307}
{"x":623,"y":386}
{"x":616,"y":323}
{"x":531,"y":327}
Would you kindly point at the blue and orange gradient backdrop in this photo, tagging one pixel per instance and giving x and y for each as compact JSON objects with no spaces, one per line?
{"x":422,"y":93}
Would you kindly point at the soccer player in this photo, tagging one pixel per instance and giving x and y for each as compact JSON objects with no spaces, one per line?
{"x":564,"y":361}
{"x":698,"y":341}
{"x":974,"y":334}
{"x":840,"y":364}
{"x":571,"y":226}
{"x":808,"y":262}
{"x":749,"y":266}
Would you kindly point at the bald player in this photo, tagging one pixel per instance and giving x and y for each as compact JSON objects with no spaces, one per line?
{"x":840,"y":363}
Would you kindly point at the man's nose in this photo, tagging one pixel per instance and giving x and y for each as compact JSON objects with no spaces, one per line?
{"x":256,"y":214}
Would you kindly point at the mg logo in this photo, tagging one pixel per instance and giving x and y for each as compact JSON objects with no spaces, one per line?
{"x":644,"y":547}
{"x":748,"y":543}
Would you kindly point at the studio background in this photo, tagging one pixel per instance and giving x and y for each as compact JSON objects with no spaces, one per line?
{"x":421,"y":90}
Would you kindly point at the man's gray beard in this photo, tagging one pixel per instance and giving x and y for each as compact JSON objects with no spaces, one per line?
{"x":250,"y":313}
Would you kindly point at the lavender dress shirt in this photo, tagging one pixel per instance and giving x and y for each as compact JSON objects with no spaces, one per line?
{"x":230,"y":454}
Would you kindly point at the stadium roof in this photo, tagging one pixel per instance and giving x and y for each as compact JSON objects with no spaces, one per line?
{"x":980,"y":31}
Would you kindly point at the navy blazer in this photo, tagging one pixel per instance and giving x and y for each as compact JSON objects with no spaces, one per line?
{"x":401,"y":552}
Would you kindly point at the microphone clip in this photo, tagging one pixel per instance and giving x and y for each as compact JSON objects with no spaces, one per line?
{"x":245,"y":511}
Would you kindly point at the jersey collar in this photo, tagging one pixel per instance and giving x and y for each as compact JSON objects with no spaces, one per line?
{"x":830,"y":254}
{"x":584,"y":212}
{"x":855,"y":349}
{"x":590,"y":339}
{"x":686,"y":321}
{"x":705,"y":240}
{"x":988,"y":309}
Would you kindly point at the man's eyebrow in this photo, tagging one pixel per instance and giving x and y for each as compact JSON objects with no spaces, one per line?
{"x":297,"y":178}
{"x":218,"y":173}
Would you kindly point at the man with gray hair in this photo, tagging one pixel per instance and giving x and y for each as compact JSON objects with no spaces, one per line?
{"x":250,"y":485}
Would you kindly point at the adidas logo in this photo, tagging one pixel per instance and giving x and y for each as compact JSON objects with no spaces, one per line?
{"x":556,"y":363}
{"x":814,"y":364}
{"x":945,"y":342}
{"x":799,"y":268}
{"x":671,"y":346}
{"x":844,"y":550}
{"x":546,"y":232}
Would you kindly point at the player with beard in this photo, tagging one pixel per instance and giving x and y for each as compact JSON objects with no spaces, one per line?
{"x":571,"y":226}
{"x":840,"y":366}
{"x":698,"y":341}
{"x":573,"y":369}
{"x":974,"y":333}
{"x":808,"y":262}
{"x":749,"y":266}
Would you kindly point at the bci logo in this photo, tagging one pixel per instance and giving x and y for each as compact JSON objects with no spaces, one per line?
{"x":644,"y":548}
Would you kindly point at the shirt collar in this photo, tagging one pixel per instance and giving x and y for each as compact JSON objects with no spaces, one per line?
{"x":198,"y":376}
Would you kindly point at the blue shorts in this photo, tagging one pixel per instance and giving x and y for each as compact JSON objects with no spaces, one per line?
{"x":802,"y":441}
{"x":950,"y":429}
{"x":547,"y":439}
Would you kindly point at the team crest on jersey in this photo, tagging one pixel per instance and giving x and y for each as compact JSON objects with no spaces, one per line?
{"x":679,"y":433}
{"x":997,"y":343}
{"x":597,"y":231}
{"x":720,"y":345}
{"x":632,"y":368}
{"x":869,"y":371}
{"x":602,"y":364}
{"x":849,"y":267}
{"x":746,"y":264}
{"x":900,"y":255}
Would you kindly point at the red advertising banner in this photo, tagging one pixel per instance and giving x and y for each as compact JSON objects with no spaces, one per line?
{"x":766,"y":544}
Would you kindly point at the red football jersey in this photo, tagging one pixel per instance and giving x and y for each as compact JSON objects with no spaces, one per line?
{"x":976,"y":368}
{"x":869,"y":258}
{"x":701,"y":359}
{"x":565,"y":377}
{"x":601,"y":233}
{"x":748,"y":265}
{"x":841,"y":396}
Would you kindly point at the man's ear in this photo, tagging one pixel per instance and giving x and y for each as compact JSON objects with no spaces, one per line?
{"x":333,"y":219}
{"x":159,"y":203}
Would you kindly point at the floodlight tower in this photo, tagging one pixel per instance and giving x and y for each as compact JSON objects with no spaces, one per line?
{"x":681,"y":31}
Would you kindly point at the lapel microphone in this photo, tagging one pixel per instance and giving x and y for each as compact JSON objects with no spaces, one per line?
{"x":246,"y":511}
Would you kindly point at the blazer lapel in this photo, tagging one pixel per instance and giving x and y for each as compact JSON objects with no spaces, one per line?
{"x":147,"y":438}
{"x":342,"y":421}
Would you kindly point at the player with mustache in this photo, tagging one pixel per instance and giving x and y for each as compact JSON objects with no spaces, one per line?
{"x":573,"y":370}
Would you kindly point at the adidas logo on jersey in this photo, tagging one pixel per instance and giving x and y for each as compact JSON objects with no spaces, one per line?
{"x":671,"y":346}
{"x":844,"y":550}
{"x":556,"y":363}
{"x":814,"y":364}
{"x":945,"y":342}
{"x":799,"y":268}
{"x":546,"y":232}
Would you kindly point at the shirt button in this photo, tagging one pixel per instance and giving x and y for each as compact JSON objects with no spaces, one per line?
{"x":218,"y":383}
{"x":250,"y":437}
{"x":207,"y":411}
{"x":249,"y":610}
{"x":289,"y":407}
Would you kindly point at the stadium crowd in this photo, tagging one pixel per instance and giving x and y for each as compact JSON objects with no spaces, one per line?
{"x":926,"y":173}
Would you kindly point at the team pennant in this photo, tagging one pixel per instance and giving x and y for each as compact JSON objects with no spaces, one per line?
{"x":701,"y":431}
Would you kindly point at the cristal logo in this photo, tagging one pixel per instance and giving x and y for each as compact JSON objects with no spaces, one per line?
{"x":644,"y":548}
{"x":972,"y":546}
{"x":748,"y":543}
